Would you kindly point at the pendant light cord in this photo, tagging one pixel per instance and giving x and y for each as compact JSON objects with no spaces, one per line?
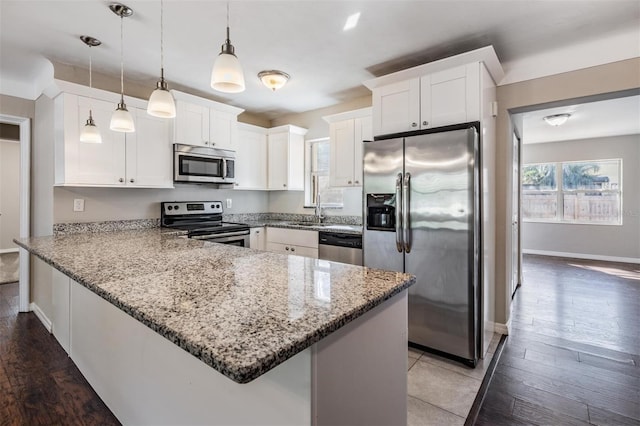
{"x":90,"y":80}
{"x":162,"y":38}
{"x":228,"y":37}
{"x":121,"y":59}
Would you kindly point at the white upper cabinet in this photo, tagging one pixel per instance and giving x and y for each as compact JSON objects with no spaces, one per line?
{"x":286,"y":158}
{"x":139,"y":159}
{"x":251,"y":157}
{"x":202,"y":122}
{"x":346,"y":133}
{"x":436,"y":94}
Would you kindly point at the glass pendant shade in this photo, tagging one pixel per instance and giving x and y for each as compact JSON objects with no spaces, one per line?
{"x":90,"y":132}
{"x":161,"y":103}
{"x":121,"y":120}
{"x":227,"y":75}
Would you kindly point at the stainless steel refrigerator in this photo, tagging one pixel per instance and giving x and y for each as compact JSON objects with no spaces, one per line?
{"x":421,"y":215}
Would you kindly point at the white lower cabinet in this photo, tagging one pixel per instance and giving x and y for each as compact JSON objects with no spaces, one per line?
{"x":257,"y":238}
{"x":139,"y":159}
{"x":292,"y":241}
{"x":60,"y":313}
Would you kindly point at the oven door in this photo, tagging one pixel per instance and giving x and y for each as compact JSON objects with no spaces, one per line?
{"x":237,"y":238}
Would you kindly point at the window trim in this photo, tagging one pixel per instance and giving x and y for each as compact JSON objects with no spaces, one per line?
{"x":560,"y":192}
{"x":309,"y":203}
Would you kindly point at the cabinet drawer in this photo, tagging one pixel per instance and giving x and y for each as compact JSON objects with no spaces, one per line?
{"x":293,"y":237}
{"x":292,"y":249}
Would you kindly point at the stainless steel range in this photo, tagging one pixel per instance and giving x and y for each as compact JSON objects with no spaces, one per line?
{"x":203,"y":221}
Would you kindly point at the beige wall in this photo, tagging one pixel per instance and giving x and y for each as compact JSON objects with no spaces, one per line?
{"x":591,"y":240}
{"x":537,"y":94}
{"x":18,"y":107}
{"x":9,"y":193}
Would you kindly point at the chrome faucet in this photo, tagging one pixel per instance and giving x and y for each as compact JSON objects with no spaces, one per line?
{"x":319,"y":217}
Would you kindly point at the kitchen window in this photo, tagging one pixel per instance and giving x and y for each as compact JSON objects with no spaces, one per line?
{"x":585,"y":192}
{"x":317,"y":175}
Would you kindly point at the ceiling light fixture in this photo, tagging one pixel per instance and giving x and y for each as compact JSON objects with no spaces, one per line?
{"x":273,"y":79}
{"x":90,"y":132}
{"x":557,"y":119}
{"x":352,"y":21}
{"x":121,"y":120}
{"x":227,"y":75}
{"x":161,"y":103}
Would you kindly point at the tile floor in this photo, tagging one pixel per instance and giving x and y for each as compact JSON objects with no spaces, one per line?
{"x":441,"y":392}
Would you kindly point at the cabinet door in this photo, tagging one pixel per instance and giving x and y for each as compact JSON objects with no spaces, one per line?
{"x":342,"y":153}
{"x":222,"y":130}
{"x":295,"y":163}
{"x":396,"y":107}
{"x":363,"y":132}
{"x":149,"y":156}
{"x":256,"y":238}
{"x":278,"y":160}
{"x":60,"y":319}
{"x":192,"y":124}
{"x":251,"y":160}
{"x":88,"y":163}
{"x":450,"y":96}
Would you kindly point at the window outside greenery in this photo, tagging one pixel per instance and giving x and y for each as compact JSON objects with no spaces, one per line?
{"x":317,"y":155}
{"x":573,"y":192}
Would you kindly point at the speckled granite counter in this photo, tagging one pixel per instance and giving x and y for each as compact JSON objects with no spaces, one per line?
{"x":241,"y":311}
{"x":327,"y":227}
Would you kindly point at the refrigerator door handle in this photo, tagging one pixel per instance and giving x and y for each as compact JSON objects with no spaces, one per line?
{"x":406,"y":226}
{"x":399,"y":207}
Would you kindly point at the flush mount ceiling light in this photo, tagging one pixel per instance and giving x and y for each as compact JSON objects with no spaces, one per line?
{"x":273,"y":79}
{"x":557,"y":119}
{"x":121,"y":120}
{"x":227,"y":75}
{"x":352,"y":21}
{"x":161,"y":103}
{"x":90,"y":132}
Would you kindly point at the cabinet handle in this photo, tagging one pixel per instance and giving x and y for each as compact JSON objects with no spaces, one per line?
{"x":293,"y":249}
{"x":237,"y":184}
{"x":132,"y":180}
{"x":213,"y":143}
{"x":121,"y":180}
{"x":257,"y":232}
{"x":284,"y":184}
{"x":414,"y":124}
{"x":425,"y":123}
{"x":286,"y":248}
{"x":357,"y":182}
{"x":206,"y":142}
{"x":349,"y":182}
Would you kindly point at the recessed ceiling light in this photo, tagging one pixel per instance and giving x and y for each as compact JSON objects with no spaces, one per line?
{"x":352,"y":21}
{"x":556,"y":119}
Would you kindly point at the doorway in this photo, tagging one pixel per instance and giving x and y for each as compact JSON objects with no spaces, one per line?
{"x":24,"y":184}
{"x":9,"y":202}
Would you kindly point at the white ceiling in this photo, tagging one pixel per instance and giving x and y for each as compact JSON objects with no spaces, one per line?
{"x":303,"y":38}
{"x":613,"y":117}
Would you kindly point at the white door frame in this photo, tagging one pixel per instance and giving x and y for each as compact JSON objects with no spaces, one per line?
{"x":25,"y":202}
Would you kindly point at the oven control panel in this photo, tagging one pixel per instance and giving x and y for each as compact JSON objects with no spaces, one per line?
{"x":174,"y":208}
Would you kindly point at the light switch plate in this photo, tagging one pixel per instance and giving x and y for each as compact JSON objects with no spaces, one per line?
{"x":229,"y":203}
{"x":78,"y":205}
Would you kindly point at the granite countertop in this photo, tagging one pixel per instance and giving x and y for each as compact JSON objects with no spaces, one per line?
{"x":241,"y":311}
{"x":308,"y":226}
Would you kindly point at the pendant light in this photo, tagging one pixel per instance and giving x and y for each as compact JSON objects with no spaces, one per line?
{"x":161,"y":103}
{"x":121,"y":120}
{"x":227,"y":75}
{"x":90,"y":132}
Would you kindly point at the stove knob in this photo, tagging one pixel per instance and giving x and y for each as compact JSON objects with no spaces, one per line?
{"x":213,"y":206}
{"x":176,"y":207}
{"x":169,"y":208}
{"x":219,"y":205}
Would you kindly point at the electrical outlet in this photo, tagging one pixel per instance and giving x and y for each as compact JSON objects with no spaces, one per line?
{"x":78,"y":205}
{"x":229,"y":203}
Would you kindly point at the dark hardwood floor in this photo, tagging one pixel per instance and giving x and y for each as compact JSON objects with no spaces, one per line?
{"x":573,"y":356}
{"x":39,"y":385}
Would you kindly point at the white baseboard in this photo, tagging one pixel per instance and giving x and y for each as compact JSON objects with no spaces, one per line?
{"x":582,"y":256}
{"x":9,"y":250}
{"x":502,"y":328}
{"x":41,"y":316}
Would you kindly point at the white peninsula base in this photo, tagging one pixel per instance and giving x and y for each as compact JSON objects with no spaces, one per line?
{"x":355,"y":376}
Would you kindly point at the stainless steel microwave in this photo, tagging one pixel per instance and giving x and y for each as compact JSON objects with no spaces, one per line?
{"x":197,"y":164}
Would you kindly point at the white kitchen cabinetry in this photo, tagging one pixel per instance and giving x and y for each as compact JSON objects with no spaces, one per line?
{"x":202,"y":122}
{"x":251,"y":157}
{"x":446,"y":97}
{"x":347,"y":131}
{"x":286,"y":158}
{"x":139,"y":159}
{"x":257,"y":238}
{"x":292,"y":241}
{"x":60,"y":312}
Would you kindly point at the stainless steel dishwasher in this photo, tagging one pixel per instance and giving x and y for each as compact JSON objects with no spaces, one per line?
{"x":340,"y":247}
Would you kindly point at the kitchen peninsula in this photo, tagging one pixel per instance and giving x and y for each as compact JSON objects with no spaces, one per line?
{"x":171,"y":330}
